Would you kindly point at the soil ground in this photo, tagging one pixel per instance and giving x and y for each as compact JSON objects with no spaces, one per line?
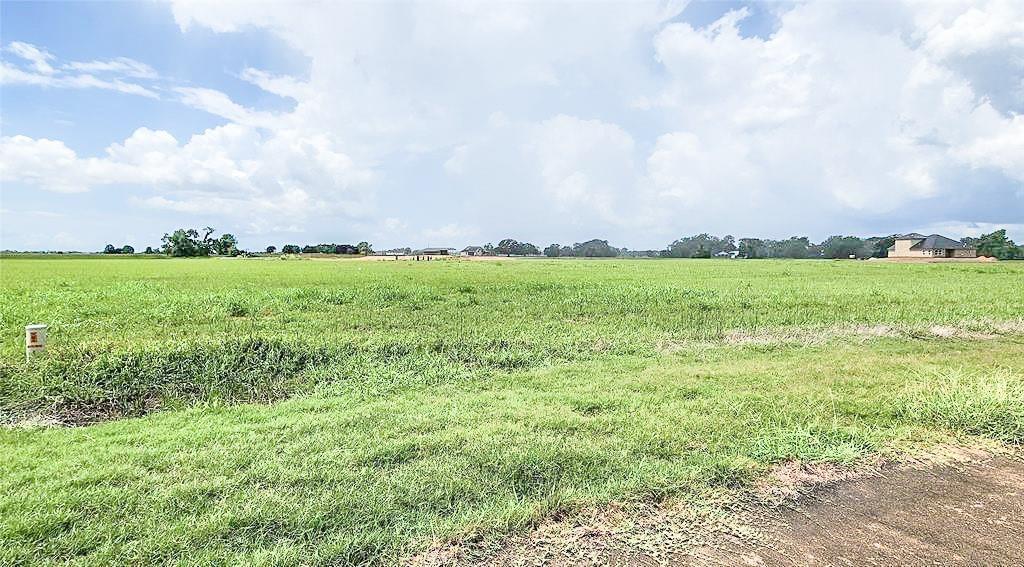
{"x":967,"y":510}
{"x":951,"y":515}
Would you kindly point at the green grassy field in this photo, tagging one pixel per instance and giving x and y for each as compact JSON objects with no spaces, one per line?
{"x":311,"y":412}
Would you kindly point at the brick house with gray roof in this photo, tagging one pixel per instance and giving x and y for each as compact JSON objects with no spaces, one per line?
{"x":916,"y":245}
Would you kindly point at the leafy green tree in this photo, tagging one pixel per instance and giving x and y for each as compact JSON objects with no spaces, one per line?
{"x":310,"y":249}
{"x":365,"y":248}
{"x":109,"y":249}
{"x":226,"y":245}
{"x":753,"y":248}
{"x":688,"y":246}
{"x":149,"y":250}
{"x":271,"y":249}
{"x":701,"y":252}
{"x":127,"y":249}
{"x":290,"y":249}
{"x":844,"y":247}
{"x":793,"y":247}
{"x":552,"y":251}
{"x":506,"y":246}
{"x":594,"y":249}
{"x":526,"y":249}
{"x":880,"y":245}
{"x":997,"y":245}
{"x":186,"y":243}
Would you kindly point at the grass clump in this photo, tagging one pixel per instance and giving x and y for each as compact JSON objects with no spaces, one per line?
{"x":986,"y":404}
{"x":236,"y":308}
{"x":94,"y":383}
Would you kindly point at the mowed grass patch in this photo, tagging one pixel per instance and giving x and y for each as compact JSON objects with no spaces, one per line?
{"x":350,"y":478}
{"x":128,"y":336}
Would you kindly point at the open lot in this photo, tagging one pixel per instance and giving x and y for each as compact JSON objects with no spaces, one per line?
{"x":292,"y":411}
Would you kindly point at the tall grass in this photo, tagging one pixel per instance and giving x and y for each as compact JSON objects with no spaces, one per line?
{"x":357,"y":477}
{"x":130,"y":336}
{"x":989,"y":404}
{"x":398,"y":404}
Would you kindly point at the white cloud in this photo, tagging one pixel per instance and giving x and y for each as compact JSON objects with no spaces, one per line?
{"x":74,"y":75}
{"x":38,"y":58}
{"x":230,"y":170}
{"x":48,"y":163}
{"x":119,"y":66}
{"x":808,"y":114}
{"x":959,"y":32}
{"x":219,"y":104}
{"x":617,"y":120}
{"x":456,"y":164}
{"x":281,"y":85}
{"x":681,"y":165}
{"x":449,"y":233}
{"x":1003,"y":150}
{"x":756,"y":132}
{"x":585,"y":164}
{"x":975,"y":229}
{"x":392,"y":224}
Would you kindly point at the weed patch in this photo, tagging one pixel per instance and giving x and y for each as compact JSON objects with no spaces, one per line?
{"x":91,"y":384}
{"x":985,"y":404}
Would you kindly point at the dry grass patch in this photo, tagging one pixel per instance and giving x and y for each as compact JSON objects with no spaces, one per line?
{"x":968,"y":330}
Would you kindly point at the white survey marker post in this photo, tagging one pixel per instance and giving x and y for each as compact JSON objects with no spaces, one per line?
{"x":35,"y":340}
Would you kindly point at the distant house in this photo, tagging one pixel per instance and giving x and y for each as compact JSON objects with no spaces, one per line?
{"x":435,"y":252}
{"x":472,"y":251}
{"x":916,"y":245}
{"x":727,"y":254}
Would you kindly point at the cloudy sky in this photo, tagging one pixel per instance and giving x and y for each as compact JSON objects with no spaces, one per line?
{"x":461,"y":123}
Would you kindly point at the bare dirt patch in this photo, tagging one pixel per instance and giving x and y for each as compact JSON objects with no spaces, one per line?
{"x":974,"y":330}
{"x":71,"y":415}
{"x":923,"y":260}
{"x":981,"y":330}
{"x":969,"y":514}
{"x":954,"y":507}
{"x":34,"y":421}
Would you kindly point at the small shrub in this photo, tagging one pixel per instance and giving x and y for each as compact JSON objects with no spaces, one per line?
{"x":235,"y":308}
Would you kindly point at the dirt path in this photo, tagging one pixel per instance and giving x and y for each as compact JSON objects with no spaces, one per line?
{"x":968,"y":510}
{"x":951,"y":515}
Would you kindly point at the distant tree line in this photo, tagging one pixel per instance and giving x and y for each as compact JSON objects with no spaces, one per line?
{"x":995,"y":244}
{"x":590,"y":249}
{"x":191,"y":242}
{"x":703,"y":245}
{"x":111,"y":249}
{"x":510,"y":247}
{"x":363,"y":248}
{"x":186,"y":242}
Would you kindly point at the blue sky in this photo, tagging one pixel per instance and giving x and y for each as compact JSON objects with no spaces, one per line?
{"x":463,"y":123}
